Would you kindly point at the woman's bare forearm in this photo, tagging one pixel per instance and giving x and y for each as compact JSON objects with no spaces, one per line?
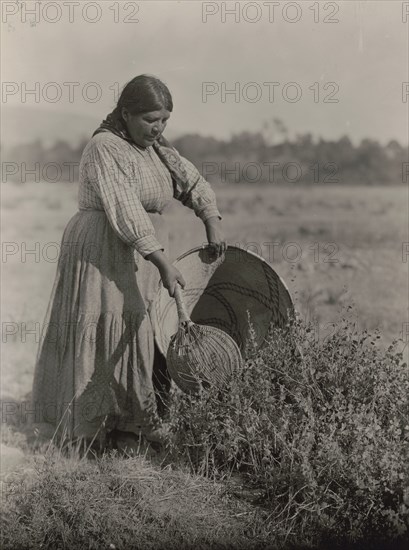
{"x":169,"y":274}
{"x":159,"y":259}
{"x":214,"y":220}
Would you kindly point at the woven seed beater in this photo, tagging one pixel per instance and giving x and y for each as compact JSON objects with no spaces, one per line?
{"x":200,"y":355}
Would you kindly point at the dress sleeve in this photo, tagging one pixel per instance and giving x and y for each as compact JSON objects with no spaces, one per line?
{"x":202,"y":199}
{"x":115,"y":178}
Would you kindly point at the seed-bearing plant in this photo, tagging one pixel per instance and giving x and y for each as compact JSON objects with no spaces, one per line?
{"x":320,"y":428}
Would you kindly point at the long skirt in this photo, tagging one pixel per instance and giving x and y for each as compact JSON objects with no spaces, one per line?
{"x":94,"y":365}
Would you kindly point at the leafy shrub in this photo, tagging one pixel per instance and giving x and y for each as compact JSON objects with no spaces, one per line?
{"x":321,"y":427}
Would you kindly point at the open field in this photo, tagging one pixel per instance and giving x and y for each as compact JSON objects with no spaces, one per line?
{"x":313,"y":457}
{"x":333,"y":246}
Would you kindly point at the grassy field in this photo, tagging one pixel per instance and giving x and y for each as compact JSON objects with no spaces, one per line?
{"x":333,"y":246}
{"x":319,"y":454}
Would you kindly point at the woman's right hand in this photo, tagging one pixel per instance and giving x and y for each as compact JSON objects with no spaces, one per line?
{"x":168,"y":273}
{"x":171,"y":277}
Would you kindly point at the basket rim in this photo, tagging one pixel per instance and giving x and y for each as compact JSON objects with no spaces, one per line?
{"x":204,"y":246}
{"x":160,"y":288}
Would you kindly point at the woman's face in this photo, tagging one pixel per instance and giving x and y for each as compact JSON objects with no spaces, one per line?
{"x":145,"y":128}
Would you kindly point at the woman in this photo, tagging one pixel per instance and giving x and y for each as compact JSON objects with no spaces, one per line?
{"x":94,"y":366}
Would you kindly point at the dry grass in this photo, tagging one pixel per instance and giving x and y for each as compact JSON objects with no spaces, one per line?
{"x":54,"y":501}
{"x":62,"y":502}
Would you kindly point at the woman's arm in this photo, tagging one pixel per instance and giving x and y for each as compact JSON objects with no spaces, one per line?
{"x":169,"y":274}
{"x":215,"y":235}
{"x":113,"y":176}
{"x":202,"y":200}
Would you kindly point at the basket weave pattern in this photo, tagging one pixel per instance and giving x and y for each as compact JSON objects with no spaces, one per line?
{"x":202,"y":355}
{"x":224,"y":294}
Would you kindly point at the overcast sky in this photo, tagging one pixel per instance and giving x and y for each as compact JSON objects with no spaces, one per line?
{"x":365,"y":54}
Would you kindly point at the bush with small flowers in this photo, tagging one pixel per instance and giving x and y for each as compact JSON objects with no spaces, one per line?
{"x":321,"y":428}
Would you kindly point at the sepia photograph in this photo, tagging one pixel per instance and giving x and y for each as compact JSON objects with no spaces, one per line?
{"x":204,"y":275}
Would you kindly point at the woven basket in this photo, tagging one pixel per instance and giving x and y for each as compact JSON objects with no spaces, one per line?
{"x":199,"y":355}
{"x":225,"y":293}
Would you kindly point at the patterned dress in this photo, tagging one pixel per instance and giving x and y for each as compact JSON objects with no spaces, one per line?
{"x":94,"y":365}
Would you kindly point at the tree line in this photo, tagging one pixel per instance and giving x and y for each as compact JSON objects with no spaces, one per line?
{"x":245,"y":158}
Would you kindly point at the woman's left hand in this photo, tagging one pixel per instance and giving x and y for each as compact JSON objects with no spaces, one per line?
{"x":215,"y":236}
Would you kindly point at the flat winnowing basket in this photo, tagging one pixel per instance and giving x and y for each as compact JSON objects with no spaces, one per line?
{"x":200,"y":355}
{"x":225,"y":293}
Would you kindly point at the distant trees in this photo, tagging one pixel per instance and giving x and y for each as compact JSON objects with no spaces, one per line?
{"x":267,"y":156}
{"x":301,"y":160}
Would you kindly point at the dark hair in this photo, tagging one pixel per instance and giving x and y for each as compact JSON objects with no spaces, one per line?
{"x":142,"y":94}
